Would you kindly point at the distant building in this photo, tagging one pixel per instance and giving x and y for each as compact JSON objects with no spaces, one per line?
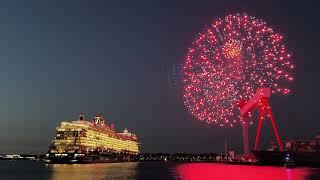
{"x":273,"y":146}
{"x":232,"y":154}
{"x":304,"y":146}
{"x":13,"y":156}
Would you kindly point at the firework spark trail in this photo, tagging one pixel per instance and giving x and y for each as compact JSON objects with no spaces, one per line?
{"x":228,"y":62}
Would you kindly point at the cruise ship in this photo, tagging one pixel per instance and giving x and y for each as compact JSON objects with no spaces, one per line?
{"x":95,"y":141}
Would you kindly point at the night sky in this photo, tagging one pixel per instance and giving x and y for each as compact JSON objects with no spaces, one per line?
{"x":62,"y":58}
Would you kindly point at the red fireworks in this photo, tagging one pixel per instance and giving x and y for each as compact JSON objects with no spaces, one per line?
{"x":228,"y":62}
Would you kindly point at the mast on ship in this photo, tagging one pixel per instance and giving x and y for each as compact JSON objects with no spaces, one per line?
{"x":98,"y":119}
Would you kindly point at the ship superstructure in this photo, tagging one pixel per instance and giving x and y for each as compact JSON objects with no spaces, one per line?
{"x":84,"y":141}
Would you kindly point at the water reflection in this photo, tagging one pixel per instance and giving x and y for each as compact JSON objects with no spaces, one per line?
{"x":93,"y":171}
{"x":197,"y":171}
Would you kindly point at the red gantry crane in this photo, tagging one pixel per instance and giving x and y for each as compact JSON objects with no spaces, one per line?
{"x":259,"y":100}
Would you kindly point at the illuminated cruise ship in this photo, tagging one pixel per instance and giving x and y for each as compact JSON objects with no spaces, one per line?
{"x":82,"y":141}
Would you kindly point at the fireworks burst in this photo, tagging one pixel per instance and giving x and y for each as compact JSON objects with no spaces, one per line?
{"x":232,"y":49}
{"x":228,"y":62}
{"x":174,"y":76}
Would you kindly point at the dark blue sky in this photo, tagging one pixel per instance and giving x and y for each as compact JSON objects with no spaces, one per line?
{"x":62,"y":58}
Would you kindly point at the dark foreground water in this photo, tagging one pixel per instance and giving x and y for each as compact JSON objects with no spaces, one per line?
{"x":33,"y":170}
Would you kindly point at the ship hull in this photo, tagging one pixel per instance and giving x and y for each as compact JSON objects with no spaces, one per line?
{"x":76,"y":161}
{"x":89,"y":158}
{"x":276,"y":158}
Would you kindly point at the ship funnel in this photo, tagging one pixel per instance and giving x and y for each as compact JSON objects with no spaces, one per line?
{"x":125,"y":130}
{"x":81,"y":118}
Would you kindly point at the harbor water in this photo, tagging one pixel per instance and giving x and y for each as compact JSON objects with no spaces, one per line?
{"x":34,"y":170}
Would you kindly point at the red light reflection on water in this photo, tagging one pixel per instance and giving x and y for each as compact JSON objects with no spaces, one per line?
{"x":200,"y":171}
